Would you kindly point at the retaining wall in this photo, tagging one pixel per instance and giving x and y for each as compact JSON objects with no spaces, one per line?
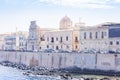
{"x":64,"y":60}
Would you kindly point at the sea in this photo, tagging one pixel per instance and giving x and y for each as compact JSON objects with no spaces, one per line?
{"x":9,"y":73}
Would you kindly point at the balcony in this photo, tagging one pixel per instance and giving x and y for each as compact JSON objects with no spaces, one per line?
{"x":76,"y":41}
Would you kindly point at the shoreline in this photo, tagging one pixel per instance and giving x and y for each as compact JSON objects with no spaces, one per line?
{"x":37,"y":70}
{"x":60,"y":74}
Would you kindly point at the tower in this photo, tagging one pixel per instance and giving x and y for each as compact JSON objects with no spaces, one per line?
{"x":32,"y":44}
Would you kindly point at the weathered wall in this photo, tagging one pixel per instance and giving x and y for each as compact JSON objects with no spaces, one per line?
{"x":64,"y":60}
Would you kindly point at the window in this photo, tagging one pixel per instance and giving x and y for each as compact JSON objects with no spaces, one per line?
{"x":117,"y":43}
{"x":42,"y":39}
{"x":53,"y":47}
{"x":67,"y":47}
{"x":84,"y":35}
{"x":52,"y":39}
{"x":61,"y":46}
{"x":96,"y":35}
{"x":76,"y":39}
{"x":22,"y":44}
{"x":111,"y":43}
{"x":47,"y":46}
{"x":32,"y":47}
{"x":32,"y":36}
{"x":40,"y":47}
{"x":66,"y":38}
{"x":76,"y":46}
{"x":60,"y":39}
{"x":57,"y":47}
{"x":102,"y":35}
{"x":90,"y":35}
{"x":56,"y":38}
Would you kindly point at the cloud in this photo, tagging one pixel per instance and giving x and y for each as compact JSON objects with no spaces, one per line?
{"x":117,"y":1}
{"x":81,"y":3}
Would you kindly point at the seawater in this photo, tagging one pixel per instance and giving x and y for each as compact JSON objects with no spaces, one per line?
{"x":8,"y":73}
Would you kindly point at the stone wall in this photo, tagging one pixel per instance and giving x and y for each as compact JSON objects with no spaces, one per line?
{"x":64,"y":60}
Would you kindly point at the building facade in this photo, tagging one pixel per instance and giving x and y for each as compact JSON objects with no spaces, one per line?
{"x":16,"y":41}
{"x":59,"y":40}
{"x":94,"y":39}
{"x":114,"y":37}
{"x":33,"y":39}
{"x":2,"y":36}
{"x":101,"y":38}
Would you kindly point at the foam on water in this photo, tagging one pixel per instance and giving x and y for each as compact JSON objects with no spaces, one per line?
{"x":8,"y":73}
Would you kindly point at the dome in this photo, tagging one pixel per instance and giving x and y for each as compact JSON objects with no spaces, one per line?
{"x":65,"y":23}
{"x":65,"y":19}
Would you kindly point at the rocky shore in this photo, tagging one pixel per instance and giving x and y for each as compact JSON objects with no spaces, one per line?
{"x":37,"y":70}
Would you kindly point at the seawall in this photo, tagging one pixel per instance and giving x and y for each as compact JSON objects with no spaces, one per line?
{"x":64,"y":60}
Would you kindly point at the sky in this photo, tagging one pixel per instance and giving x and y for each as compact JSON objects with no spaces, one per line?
{"x":17,"y":14}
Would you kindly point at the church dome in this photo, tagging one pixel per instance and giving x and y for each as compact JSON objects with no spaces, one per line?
{"x":65,"y":23}
{"x":65,"y":19}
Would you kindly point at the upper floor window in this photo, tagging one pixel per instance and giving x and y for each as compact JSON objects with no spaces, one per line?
{"x":96,"y":35}
{"x":42,"y":39}
{"x":90,"y":35}
{"x":84,"y":35}
{"x":52,"y":39}
{"x":76,"y":39}
{"x":102,"y":35}
{"x":61,"y":39}
{"x":111,"y":43}
{"x":117,"y":43}
{"x":66,"y":38}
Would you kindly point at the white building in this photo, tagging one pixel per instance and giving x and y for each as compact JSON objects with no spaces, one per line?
{"x":114,"y":36}
{"x":16,"y":41}
{"x":2,"y":36}
{"x":79,"y":37}
{"x":10,"y":43}
{"x":65,"y":39}
{"x":94,"y":39}
{"x":36,"y":40}
{"x":59,"y":40}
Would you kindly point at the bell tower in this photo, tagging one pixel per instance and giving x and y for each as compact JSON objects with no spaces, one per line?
{"x":33,"y":37}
